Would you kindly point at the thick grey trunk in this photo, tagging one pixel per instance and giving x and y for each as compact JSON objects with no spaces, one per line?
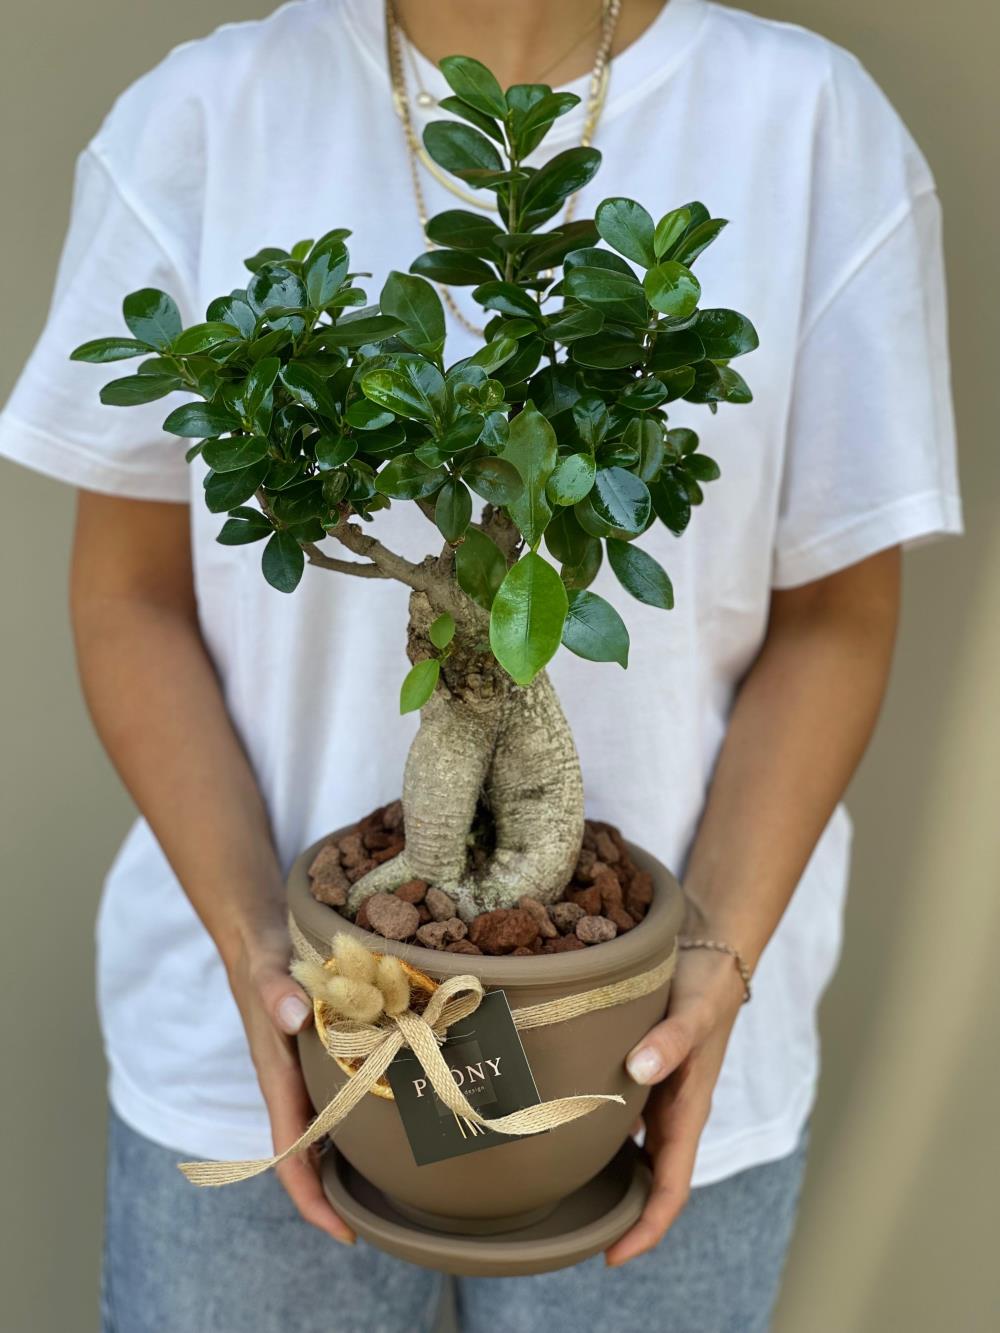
{"x":481,"y":738}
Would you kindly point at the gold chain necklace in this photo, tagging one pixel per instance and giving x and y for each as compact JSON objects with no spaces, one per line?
{"x":417,"y":154}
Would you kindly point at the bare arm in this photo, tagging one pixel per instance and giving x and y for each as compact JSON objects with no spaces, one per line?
{"x":156,"y":703}
{"x":801,"y":721}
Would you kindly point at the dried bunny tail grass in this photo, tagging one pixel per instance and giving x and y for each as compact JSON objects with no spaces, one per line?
{"x":353,"y":960}
{"x":394,"y":984}
{"x":314,"y":978}
{"x":359,"y":1000}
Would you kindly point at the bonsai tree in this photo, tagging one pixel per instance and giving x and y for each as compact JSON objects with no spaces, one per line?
{"x":315,"y":410}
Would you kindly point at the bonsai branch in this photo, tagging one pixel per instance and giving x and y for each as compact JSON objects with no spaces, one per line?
{"x":361,"y":569}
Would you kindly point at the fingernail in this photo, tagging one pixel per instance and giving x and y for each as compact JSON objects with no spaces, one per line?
{"x":644,"y":1065}
{"x":292,"y":1013}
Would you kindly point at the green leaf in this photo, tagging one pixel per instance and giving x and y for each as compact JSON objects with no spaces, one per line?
{"x":276,"y":287}
{"x":527,"y":618}
{"x":309,"y":389}
{"x":452,"y":511}
{"x":672,"y":289}
{"x":702,"y":468}
{"x":457,"y":229}
{"x":725,"y":334}
{"x":406,"y":478}
{"x":571,"y":480}
{"x":355,"y":331}
{"x":584,"y":571}
{"x":333,"y":451}
{"x":474,"y":84}
{"x":152,"y":316}
{"x":673,"y":351}
{"x":283,"y":561}
{"x":226,"y":490}
{"x":594,"y":629}
{"x":495,"y":479}
{"x":457,"y":268}
{"x":566,"y":540}
{"x":199,"y":420}
{"x":238,"y":451}
{"x":508,"y":299}
{"x":670,"y":502}
{"x":592,"y":420}
{"x":698,"y":239}
{"x":479,"y":567}
{"x":640,"y":574}
{"x":531,"y":447}
{"x":101,"y":350}
{"x":571,"y":323}
{"x":611,"y":349}
{"x":203,"y":337}
{"x":416,"y":304}
{"x":233,"y":309}
{"x":563,"y":175}
{"x":418,"y":685}
{"x":324,"y":274}
{"x":365,"y":415}
{"x":414,"y":389}
{"x":131,"y":390}
{"x":618,"y":505}
{"x":466,"y":112}
{"x":246,"y":525}
{"x":461,"y":150}
{"x":670,"y":228}
{"x":646,"y":434}
{"x":616,"y":295}
{"x":442,"y":631}
{"x":627,"y":228}
{"x":494,"y":354}
{"x":259,"y":384}
{"x":534,"y":124}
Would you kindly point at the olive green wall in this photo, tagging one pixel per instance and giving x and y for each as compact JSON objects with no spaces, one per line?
{"x":899,"y":1223}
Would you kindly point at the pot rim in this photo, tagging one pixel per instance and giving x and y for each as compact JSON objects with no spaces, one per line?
{"x":652,"y":937}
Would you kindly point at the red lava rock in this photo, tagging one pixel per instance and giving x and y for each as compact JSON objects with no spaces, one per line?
{"x":354,"y":873}
{"x":545,"y":925}
{"x":462,"y":946}
{"x":503,"y":930}
{"x":585,"y":865}
{"x":377,"y":840}
{"x":595,"y":929}
{"x":606,"y":848}
{"x":565,"y":916}
{"x":372,"y":823}
{"x":392,"y":817}
{"x":352,"y":851}
{"x":361,"y":917}
{"x":423,"y":914}
{"x":522,"y":952}
{"x":413,"y":891}
{"x":588,"y":899}
{"x":589,"y":840}
{"x":330,"y":891}
{"x":621,"y":918}
{"x":607,"y":884}
{"x":564,"y":944}
{"x":387,"y":853}
{"x":537,"y":943}
{"x":455,"y":928}
{"x":391,"y":916}
{"x":440,"y":905}
{"x":639,"y":894}
{"x":326,"y":860}
{"x":433,"y":935}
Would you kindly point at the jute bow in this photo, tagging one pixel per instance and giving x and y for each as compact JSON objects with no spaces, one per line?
{"x":376,"y":1044}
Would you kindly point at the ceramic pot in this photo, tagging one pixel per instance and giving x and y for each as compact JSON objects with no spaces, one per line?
{"x":511,"y":1184}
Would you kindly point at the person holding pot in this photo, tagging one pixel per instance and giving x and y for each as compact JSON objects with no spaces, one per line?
{"x":246,"y":725}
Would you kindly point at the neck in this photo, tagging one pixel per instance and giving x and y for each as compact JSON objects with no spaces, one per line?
{"x":522,"y":41}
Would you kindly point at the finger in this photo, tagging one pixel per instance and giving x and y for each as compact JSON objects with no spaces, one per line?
{"x":674,"y":1157}
{"x":666,"y":1046}
{"x":284,"y":999}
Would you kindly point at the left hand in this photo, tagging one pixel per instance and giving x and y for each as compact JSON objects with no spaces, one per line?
{"x":682,"y":1056}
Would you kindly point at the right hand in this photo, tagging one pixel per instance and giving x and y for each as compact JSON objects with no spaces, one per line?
{"x":274,"y":1008}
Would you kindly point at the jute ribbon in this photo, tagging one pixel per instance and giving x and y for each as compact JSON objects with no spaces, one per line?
{"x":377,"y":1043}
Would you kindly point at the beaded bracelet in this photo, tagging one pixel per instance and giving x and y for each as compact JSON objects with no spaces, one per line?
{"x":719,"y":947}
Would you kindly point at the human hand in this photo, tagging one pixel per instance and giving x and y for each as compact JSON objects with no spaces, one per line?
{"x":274,"y":1008}
{"x":682,"y":1055}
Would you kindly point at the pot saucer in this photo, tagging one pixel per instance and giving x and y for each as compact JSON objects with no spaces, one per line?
{"x":584,"y":1223}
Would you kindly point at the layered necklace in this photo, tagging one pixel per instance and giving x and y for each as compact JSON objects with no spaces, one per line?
{"x":607,"y":24}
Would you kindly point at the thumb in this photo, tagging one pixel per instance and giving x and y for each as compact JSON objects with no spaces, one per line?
{"x":662,"y":1049}
{"x":284,"y":999}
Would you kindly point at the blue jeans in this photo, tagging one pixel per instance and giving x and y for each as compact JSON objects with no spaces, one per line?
{"x":240,"y":1260}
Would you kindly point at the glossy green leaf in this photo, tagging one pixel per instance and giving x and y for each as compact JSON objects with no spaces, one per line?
{"x":672,"y":289}
{"x":674,"y":350}
{"x":243,"y":527}
{"x":309,"y":389}
{"x":531,"y":447}
{"x":234,"y":452}
{"x":199,"y":420}
{"x":592,"y":420}
{"x":479,"y":567}
{"x":324,"y":272}
{"x":333,"y":451}
{"x":203,"y":337}
{"x":226,"y":490}
{"x":414,"y":302}
{"x":508,"y":299}
{"x":233,"y":309}
{"x":617,"y":296}
{"x":415,"y":389}
{"x":152,"y":316}
{"x":698,"y":239}
{"x":566,"y":540}
{"x":563,"y":175}
{"x":494,"y":354}
{"x":453,"y":510}
{"x":571,"y":323}
{"x":442,"y":631}
{"x":618,"y":504}
{"x":670,"y":228}
{"x":132,"y":390}
{"x":276,"y":287}
{"x":640,"y":575}
{"x":594,"y":630}
{"x":495,"y":479}
{"x":572,"y":479}
{"x":527,"y":617}
{"x":627,"y":228}
{"x":259,"y":384}
{"x":356,"y":330}
{"x":365,"y":415}
{"x":419,"y":684}
{"x":671,"y":502}
{"x":582,"y":573}
{"x":101,"y":350}
{"x":456,"y":268}
{"x":481,"y":121}
{"x":406,"y":478}
{"x":460,"y":149}
{"x":458,"y":229}
{"x":475,"y":84}
{"x":534,"y":124}
{"x":725,"y":334}
{"x":646,"y":434}
{"x":283,"y":561}
{"x":703,"y":468}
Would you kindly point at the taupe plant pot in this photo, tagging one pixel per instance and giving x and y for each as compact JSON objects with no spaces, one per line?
{"x":511,"y":1184}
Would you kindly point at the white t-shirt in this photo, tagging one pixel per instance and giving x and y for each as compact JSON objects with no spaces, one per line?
{"x":266,"y":132}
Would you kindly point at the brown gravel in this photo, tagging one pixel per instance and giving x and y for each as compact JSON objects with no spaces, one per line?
{"x":391,"y":916}
{"x":440,"y":905}
{"x":595,"y":929}
{"x":503,"y":930}
{"x":413,"y":891}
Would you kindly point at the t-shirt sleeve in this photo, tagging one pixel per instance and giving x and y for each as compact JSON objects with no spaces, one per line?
{"x":870,"y":451}
{"x":54,"y":420}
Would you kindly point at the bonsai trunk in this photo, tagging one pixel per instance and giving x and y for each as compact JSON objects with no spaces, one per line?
{"x":485,"y":744}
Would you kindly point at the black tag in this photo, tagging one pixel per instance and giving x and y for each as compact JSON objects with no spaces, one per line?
{"x":488,"y":1065}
